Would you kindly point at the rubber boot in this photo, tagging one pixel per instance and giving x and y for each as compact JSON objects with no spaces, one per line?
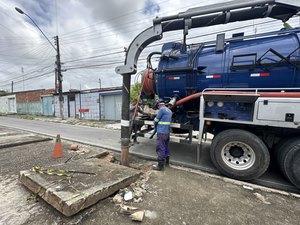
{"x":167,"y":161}
{"x":159,"y":166}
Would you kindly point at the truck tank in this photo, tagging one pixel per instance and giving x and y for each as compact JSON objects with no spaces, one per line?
{"x":270,"y":60}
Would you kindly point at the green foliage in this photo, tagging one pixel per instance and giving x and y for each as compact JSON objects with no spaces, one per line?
{"x":134,"y":93}
{"x":2,"y":93}
{"x":135,"y":90}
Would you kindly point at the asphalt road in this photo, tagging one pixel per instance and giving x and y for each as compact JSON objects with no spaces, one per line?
{"x":181,"y":154}
{"x":106,"y":138}
{"x":95,"y":136}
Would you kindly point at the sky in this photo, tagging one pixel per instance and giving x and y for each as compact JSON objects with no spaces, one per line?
{"x":92,"y":37}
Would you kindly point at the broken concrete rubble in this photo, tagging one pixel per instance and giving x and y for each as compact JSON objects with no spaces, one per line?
{"x":135,"y":192}
{"x":134,"y":213}
{"x":80,"y":188}
{"x":138,"y":216}
{"x":74,"y":147}
{"x":118,"y":199}
{"x":128,"y":196}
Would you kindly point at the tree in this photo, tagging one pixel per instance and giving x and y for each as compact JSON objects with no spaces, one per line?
{"x":134,"y":94}
{"x":135,"y":91}
{"x":2,"y":92}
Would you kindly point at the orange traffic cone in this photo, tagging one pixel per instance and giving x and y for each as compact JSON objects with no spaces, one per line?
{"x":57,"y":153}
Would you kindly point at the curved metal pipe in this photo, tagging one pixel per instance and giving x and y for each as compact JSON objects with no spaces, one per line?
{"x":260,"y":94}
{"x":188,"y":98}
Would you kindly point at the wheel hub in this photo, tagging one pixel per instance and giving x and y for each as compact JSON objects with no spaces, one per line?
{"x":236,"y":151}
{"x":238,"y":155}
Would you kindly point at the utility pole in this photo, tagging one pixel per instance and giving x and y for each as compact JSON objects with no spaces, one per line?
{"x":55,"y":81}
{"x":59,"y":79}
{"x":125,"y":134}
{"x":58,"y":64}
{"x":22,"y":70}
{"x":12,"y":86}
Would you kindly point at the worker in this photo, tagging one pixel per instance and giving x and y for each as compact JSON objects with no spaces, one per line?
{"x":135,"y":127}
{"x":162,"y":123}
{"x":133,"y":105}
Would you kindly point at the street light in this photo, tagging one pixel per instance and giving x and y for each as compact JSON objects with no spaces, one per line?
{"x":21,"y":12}
{"x":58,"y":63}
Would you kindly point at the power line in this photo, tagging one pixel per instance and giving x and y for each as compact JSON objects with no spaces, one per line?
{"x":108,"y":20}
{"x":97,"y":56}
{"x":212,"y":33}
{"x":119,"y":27}
{"x":29,"y":78}
{"x":26,"y":74}
{"x":80,"y":66}
{"x":164,"y":41}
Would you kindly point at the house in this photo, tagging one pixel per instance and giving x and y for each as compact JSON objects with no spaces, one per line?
{"x":30,"y":102}
{"x":92,"y":104}
{"x":8,"y":104}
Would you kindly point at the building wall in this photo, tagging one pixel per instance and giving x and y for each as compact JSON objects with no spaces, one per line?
{"x":29,"y":102}
{"x":31,"y":96}
{"x":99,"y":105}
{"x":48,"y":105}
{"x":88,"y":101}
{"x":8,"y":104}
{"x":30,"y":108}
{"x":112,"y":107}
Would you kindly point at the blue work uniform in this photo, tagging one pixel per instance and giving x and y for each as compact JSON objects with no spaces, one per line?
{"x":163,"y":120}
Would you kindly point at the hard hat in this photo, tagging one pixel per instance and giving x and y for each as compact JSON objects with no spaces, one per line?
{"x":158,"y":102}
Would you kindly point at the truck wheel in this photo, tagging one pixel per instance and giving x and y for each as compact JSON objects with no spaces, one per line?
{"x":239,"y":154}
{"x":281,"y":151}
{"x":290,"y":161}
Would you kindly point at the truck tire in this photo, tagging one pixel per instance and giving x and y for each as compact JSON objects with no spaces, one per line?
{"x":281,"y":151}
{"x":239,"y":154}
{"x":290,"y":161}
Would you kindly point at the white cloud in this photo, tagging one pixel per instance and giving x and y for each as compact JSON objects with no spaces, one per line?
{"x":87,"y":29}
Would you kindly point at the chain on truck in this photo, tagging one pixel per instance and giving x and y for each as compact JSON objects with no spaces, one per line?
{"x":244,"y":90}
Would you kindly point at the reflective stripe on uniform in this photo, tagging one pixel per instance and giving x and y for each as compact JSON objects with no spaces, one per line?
{"x":164,"y":123}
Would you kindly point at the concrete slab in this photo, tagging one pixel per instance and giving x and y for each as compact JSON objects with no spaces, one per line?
{"x":19,"y":138}
{"x":75,"y":186}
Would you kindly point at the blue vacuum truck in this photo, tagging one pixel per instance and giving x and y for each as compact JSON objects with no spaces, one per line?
{"x":245,"y":90}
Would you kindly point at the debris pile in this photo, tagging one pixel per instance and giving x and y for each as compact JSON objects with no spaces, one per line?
{"x":134,"y":194}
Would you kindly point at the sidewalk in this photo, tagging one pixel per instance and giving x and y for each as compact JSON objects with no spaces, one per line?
{"x":108,"y":124}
